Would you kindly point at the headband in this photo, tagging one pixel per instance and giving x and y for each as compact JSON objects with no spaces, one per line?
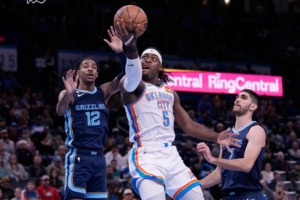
{"x":153,"y":51}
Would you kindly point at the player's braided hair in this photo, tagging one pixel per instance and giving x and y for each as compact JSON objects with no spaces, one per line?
{"x":163,"y":76}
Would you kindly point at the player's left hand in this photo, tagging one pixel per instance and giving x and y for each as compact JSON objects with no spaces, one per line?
{"x":225,"y":138}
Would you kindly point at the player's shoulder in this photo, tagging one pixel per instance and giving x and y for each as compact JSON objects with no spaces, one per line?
{"x":257,"y":129}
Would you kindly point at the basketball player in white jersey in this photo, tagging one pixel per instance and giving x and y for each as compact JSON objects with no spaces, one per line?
{"x":152,"y":108}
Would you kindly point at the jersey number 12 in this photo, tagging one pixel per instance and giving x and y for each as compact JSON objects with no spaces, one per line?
{"x":93,"y":118}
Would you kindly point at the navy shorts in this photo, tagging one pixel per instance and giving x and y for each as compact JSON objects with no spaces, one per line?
{"x":85,"y":176}
{"x":243,"y":195}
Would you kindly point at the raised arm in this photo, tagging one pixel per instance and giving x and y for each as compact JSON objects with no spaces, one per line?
{"x":116,"y":45}
{"x":131,"y":85}
{"x":256,"y":141}
{"x":65,"y":96}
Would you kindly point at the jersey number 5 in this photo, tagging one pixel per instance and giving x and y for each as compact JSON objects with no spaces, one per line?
{"x":166,"y":118}
{"x":93,"y":118}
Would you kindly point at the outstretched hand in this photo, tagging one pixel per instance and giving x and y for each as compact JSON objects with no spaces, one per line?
{"x":204,"y":149}
{"x":127,"y":36}
{"x":225,"y":138}
{"x":69,"y":82}
{"x":115,"y":42}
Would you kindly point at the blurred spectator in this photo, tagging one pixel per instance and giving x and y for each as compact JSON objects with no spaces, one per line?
{"x":294,"y":151}
{"x":55,"y":180}
{"x":24,"y":155}
{"x":13,"y":133}
{"x":280,"y":193}
{"x":128,"y":194}
{"x":267,"y":173}
{"x":274,"y":181}
{"x":292,"y":137}
{"x":268,"y":157}
{"x":45,"y":148}
{"x":47,"y":191}
{"x":192,"y":114}
{"x":280,"y":163}
{"x":58,"y":141}
{"x":117,"y":172}
{"x":29,"y":192}
{"x":16,"y":171}
{"x":47,"y":119}
{"x":114,"y":154}
{"x":18,"y":194}
{"x":9,"y":145}
{"x":36,"y":170}
{"x":3,"y":168}
{"x":8,"y":192}
{"x":25,"y":135}
{"x":37,"y":126}
{"x":58,"y":165}
{"x":62,"y":151}
{"x":5,"y":155}
{"x":113,"y":183}
{"x":294,"y":176}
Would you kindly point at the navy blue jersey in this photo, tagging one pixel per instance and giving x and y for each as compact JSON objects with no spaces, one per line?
{"x":238,"y":180}
{"x":86,"y":120}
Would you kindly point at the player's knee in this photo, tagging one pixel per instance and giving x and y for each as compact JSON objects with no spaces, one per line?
{"x":151,"y":190}
{"x":194,"y":193}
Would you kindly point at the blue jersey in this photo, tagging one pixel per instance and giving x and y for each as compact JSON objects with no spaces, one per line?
{"x":86,"y":120}
{"x":238,"y":180}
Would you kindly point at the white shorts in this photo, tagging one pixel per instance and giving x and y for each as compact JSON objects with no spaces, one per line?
{"x":162,"y":163}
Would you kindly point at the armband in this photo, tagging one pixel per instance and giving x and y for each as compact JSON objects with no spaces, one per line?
{"x":133,"y":72}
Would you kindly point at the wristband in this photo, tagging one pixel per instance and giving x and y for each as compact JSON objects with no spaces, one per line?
{"x":128,"y":41}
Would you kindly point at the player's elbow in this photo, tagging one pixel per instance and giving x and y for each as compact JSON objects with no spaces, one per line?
{"x":130,"y":86}
{"x":247,"y":168}
{"x":59,"y":111}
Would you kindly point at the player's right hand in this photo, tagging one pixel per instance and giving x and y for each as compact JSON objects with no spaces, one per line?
{"x":69,"y":82}
{"x":204,"y":149}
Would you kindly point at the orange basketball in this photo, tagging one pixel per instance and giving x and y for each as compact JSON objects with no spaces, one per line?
{"x":136,"y":14}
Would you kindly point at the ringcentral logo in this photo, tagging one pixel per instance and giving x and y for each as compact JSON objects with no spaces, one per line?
{"x":35,"y":1}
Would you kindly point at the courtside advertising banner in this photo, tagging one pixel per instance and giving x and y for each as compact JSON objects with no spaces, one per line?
{"x":224,"y":83}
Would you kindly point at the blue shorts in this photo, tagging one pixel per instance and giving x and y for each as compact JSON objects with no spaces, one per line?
{"x":240,"y":195}
{"x":85,"y":176}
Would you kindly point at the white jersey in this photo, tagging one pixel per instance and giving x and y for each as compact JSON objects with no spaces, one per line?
{"x":151,"y":117}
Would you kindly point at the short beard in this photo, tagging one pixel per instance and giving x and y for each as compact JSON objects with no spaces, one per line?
{"x":240,"y":112}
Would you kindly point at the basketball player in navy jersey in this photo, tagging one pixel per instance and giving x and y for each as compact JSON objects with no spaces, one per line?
{"x":84,"y":106}
{"x":151,"y":108}
{"x":240,"y":170}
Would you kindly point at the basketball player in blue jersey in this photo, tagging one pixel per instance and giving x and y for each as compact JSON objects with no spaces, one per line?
{"x":86,"y":124}
{"x":152,"y":108}
{"x":240,"y":170}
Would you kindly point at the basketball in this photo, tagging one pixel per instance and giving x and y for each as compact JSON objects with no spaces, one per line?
{"x":136,"y":14}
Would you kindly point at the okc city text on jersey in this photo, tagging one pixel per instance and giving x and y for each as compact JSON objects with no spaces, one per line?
{"x":158,"y":96}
